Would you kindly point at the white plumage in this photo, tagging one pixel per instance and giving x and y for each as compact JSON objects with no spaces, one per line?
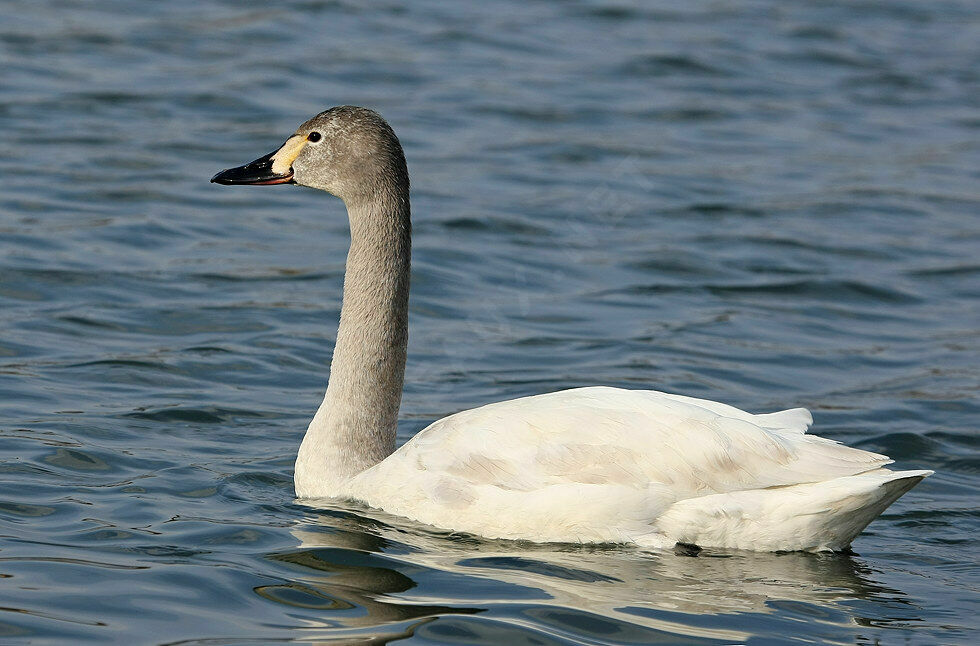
{"x":604,"y":464}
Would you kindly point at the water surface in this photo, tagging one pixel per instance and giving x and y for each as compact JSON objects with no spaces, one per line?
{"x":772,"y":204}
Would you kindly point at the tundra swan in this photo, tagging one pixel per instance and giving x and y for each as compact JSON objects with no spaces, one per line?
{"x":594,"y":464}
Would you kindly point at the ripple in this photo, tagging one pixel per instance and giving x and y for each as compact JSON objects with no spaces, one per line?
{"x":301,"y":596}
{"x":73,"y":561}
{"x":656,"y":65}
{"x":530,"y":565}
{"x":76,"y":460}
{"x":25,"y":510}
{"x":47,"y":615}
{"x":207,"y":415}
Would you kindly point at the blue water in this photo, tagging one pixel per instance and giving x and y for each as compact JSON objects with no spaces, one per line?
{"x":767,"y":203}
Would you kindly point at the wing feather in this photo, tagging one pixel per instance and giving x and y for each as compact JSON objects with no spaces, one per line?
{"x":631,"y":438}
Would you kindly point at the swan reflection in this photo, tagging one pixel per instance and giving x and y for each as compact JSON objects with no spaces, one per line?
{"x":365,"y":561}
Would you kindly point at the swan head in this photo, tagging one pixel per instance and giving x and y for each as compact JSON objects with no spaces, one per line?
{"x":348,"y":151}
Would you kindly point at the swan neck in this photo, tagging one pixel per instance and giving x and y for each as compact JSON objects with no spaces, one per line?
{"x":356,"y":425}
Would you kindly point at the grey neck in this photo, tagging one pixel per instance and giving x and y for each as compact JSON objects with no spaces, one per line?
{"x":355,"y":426}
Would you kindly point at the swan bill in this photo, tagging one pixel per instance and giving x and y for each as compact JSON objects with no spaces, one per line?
{"x":274,"y":168}
{"x":259,"y":171}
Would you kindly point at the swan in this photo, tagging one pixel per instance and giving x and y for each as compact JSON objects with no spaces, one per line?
{"x":587,"y":465}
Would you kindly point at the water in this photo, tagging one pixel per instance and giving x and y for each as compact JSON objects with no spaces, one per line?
{"x":772,"y":204}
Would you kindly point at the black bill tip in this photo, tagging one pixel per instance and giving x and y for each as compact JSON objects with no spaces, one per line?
{"x":256,"y":172}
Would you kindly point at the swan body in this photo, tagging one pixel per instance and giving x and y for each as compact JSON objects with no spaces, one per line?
{"x":594,"y":465}
{"x":608,"y":465}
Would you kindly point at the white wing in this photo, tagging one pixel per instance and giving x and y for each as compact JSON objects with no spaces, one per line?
{"x":594,"y":463}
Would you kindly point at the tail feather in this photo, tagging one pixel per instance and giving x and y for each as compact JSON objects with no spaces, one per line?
{"x":817,"y":516}
{"x":875,"y":493}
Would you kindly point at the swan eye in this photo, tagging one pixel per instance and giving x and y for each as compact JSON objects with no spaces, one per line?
{"x":314,"y":137}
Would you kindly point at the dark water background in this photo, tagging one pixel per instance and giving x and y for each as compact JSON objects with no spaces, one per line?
{"x":767,"y":203}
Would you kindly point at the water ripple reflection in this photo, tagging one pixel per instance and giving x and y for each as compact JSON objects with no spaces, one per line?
{"x":627,"y":595}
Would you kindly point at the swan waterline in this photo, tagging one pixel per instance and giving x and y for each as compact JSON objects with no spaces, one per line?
{"x":588,"y":465}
